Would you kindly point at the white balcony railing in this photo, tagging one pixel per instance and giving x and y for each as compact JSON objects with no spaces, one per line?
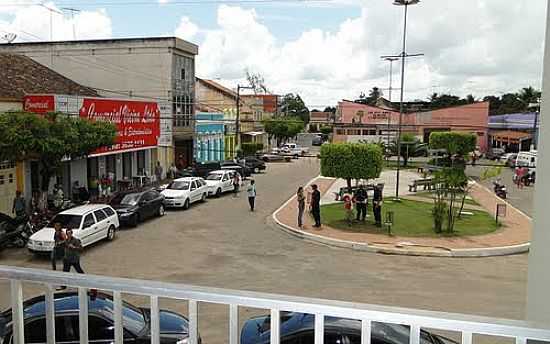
{"x":467,"y":325}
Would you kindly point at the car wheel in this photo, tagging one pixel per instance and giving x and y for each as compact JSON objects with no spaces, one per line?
{"x":161,"y":210}
{"x":203,"y":198}
{"x":256,"y":170}
{"x":186,"y":204}
{"x":219,"y":192}
{"x":111,"y":233}
{"x":19,"y":243}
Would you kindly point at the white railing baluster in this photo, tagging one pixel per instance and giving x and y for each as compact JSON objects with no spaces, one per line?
{"x":155,"y":322}
{"x":83,"y":314}
{"x":319,"y":328}
{"x":233,"y":324}
{"x":414,"y":335}
{"x":17,"y":312}
{"x":193,"y":322}
{"x":50,"y":314}
{"x":466,"y":337}
{"x":117,"y":303}
{"x":521,"y":340}
{"x":275,"y":326}
{"x":366,"y":329}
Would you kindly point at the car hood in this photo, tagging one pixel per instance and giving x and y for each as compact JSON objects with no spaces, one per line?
{"x":175,"y":193}
{"x":212,"y":182}
{"x":45,"y":234}
{"x":170,"y":322}
{"x":124,"y":208}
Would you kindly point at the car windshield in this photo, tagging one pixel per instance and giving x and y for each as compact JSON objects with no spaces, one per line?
{"x":67,"y":220}
{"x":214,"y":176}
{"x":179,"y":185}
{"x":128,"y":199}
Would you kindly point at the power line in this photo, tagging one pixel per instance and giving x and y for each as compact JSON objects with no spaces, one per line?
{"x":174,"y":2}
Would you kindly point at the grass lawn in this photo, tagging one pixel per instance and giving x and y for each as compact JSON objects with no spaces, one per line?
{"x":428,"y":194}
{"x":411,"y":218}
{"x":411,"y":165}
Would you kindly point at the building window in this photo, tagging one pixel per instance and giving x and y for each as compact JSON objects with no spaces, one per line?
{"x":372,"y":132}
{"x":340,"y":132}
{"x":183,"y":74}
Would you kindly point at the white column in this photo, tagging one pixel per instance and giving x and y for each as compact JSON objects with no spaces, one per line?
{"x":538,"y":284}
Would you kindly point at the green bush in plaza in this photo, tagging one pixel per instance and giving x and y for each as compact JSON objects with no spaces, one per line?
{"x":351,"y":161}
{"x":50,"y":138}
{"x":250,"y":148}
{"x":325,"y":130}
{"x":458,"y":145}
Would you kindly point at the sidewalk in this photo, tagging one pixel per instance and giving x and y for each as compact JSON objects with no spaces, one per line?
{"x":514,"y":237}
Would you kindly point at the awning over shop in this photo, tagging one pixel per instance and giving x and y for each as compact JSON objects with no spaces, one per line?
{"x":508,"y":136}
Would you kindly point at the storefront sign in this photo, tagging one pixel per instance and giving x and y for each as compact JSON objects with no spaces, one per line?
{"x":137,"y":122}
{"x":39,"y":104}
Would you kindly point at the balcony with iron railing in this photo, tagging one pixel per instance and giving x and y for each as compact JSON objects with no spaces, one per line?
{"x":416,"y":320}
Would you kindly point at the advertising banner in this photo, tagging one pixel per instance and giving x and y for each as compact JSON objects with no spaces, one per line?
{"x":39,"y":103}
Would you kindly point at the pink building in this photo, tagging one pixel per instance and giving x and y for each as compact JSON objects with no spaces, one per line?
{"x":358,"y":122}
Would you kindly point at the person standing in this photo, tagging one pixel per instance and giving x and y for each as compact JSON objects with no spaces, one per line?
{"x":361,"y":199}
{"x":316,"y":205}
{"x":75,"y":191}
{"x":158,"y":172}
{"x":18,"y":207}
{"x":73,"y":247}
{"x":173,"y":171}
{"x":348,"y":208}
{"x":308,"y":198}
{"x":58,"y":250}
{"x":252,"y":194}
{"x":377,"y":206}
{"x":301,"y":198}
{"x":236,"y":183}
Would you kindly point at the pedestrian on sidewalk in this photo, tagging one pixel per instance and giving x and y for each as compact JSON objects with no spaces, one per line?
{"x":348,"y":208}
{"x":361,"y":199}
{"x":73,"y":247}
{"x":251,"y":194}
{"x":316,"y":205}
{"x":308,"y":198}
{"x":18,"y":206}
{"x":236,"y":182}
{"x":301,"y":198}
{"x":158,"y":173}
{"x":377,"y":206}
{"x":58,"y":251}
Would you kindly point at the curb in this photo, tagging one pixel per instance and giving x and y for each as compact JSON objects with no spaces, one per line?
{"x":423,"y":251}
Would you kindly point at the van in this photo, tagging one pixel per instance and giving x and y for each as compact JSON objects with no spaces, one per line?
{"x":527,"y":159}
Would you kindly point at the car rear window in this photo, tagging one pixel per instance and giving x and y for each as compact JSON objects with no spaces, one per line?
{"x":100,"y":215}
{"x":67,"y":220}
{"x":109,"y":211}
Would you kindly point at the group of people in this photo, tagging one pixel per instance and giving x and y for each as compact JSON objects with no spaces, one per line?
{"x":521,"y":173}
{"x":313,"y":199}
{"x":66,"y":247}
{"x":357,"y":200}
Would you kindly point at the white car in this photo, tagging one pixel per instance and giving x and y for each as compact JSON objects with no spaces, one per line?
{"x":220,"y":181}
{"x":90,"y":223}
{"x":181,"y":192}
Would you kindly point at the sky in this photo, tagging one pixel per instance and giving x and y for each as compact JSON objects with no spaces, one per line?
{"x":324,"y":50}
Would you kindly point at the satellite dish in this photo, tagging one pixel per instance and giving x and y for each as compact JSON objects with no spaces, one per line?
{"x":9,"y":37}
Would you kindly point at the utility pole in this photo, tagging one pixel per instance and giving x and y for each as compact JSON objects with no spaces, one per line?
{"x":390,"y":60}
{"x":237,"y":118}
{"x":72,"y":10}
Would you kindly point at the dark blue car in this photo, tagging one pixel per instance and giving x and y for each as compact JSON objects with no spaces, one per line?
{"x":136,"y":321}
{"x":298,"y":328}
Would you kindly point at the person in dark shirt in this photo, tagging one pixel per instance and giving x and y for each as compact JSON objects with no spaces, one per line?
{"x":316,"y":205}
{"x":58,"y":250}
{"x":361,"y":198}
{"x":18,"y":207}
{"x":377,"y":205}
{"x":73,"y":247}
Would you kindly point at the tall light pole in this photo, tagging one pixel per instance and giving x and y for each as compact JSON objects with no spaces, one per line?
{"x":404,"y":55}
{"x":237,"y":118}
{"x":391,"y":60}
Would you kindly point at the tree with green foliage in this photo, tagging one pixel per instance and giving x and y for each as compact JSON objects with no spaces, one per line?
{"x":325,"y":130}
{"x":282,"y":129}
{"x":411,"y":147}
{"x":351,"y":161}
{"x":374,"y":94}
{"x":49,"y":139}
{"x":451,"y":181}
{"x":292,"y":105}
{"x":251,"y":148}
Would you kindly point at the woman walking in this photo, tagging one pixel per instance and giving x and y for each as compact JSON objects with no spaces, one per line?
{"x":301,"y":205}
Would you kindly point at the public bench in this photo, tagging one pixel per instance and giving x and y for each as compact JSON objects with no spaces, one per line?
{"x":426,"y":183}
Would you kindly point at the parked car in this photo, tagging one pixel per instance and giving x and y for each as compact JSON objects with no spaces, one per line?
{"x":254,"y":164}
{"x":174,"y":328}
{"x":509,"y":159}
{"x":182,"y":192}
{"x":495,"y":153}
{"x":293,"y":149}
{"x":243,"y":170}
{"x":90,"y":223}
{"x":527,"y":159}
{"x":201,"y":169}
{"x":134,"y":207}
{"x":298,"y":328}
{"x":275,"y":158}
{"x":317,"y":140}
{"x":219,"y":182}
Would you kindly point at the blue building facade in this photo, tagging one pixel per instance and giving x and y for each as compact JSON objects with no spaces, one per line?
{"x":209,"y":132}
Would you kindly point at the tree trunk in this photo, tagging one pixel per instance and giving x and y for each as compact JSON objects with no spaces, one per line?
{"x":462,"y":204}
{"x":348,"y":180}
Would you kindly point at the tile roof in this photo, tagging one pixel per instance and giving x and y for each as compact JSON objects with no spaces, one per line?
{"x":21,"y":75}
{"x":221,"y":88}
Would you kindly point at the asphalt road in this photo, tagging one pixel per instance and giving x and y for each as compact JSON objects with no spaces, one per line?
{"x":222,"y":244}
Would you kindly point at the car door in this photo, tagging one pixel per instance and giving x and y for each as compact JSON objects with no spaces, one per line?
{"x":227,"y":182}
{"x":152,"y":202}
{"x":88,"y":230}
{"x":193,"y":191}
{"x":102,"y":224}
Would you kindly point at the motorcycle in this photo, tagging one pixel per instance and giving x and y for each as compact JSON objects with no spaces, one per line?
{"x":15,"y":232}
{"x":500,"y":190}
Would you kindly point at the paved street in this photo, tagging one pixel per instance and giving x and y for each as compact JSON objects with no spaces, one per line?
{"x":222,"y":244}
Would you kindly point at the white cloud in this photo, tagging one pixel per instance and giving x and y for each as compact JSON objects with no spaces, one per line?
{"x":32,"y":23}
{"x":187,"y":29}
{"x":477,"y":46}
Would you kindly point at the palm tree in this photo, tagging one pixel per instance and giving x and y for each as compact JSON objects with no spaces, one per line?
{"x":411,"y":147}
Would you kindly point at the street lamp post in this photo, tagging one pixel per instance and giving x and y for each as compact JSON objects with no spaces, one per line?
{"x":237,"y":118}
{"x":405,"y":3}
{"x":391,"y":60}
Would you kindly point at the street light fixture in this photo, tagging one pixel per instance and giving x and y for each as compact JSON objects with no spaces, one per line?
{"x":405,"y":3}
